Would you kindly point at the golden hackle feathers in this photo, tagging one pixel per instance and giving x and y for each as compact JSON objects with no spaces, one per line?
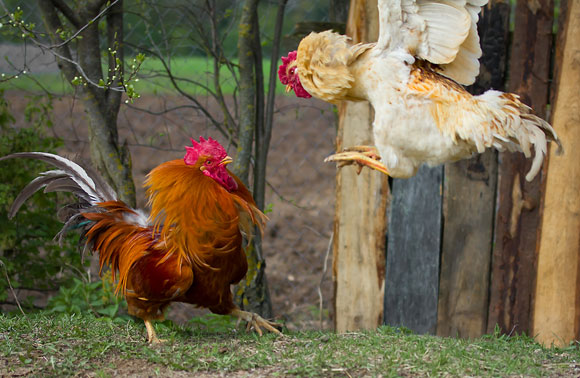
{"x":323,"y":62}
{"x":196,"y":217}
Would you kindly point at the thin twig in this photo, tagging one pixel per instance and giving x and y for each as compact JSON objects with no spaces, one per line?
{"x":11,"y":288}
{"x":68,"y":40}
{"x":51,"y":48}
{"x":284,"y":199}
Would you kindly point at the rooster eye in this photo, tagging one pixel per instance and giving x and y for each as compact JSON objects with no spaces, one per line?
{"x":208,"y":162}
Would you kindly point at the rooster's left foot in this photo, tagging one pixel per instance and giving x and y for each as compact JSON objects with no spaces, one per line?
{"x":256,"y":321}
{"x":151,"y":335}
{"x":361,"y":155}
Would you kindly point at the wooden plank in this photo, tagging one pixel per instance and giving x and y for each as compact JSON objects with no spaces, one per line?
{"x":361,"y":201}
{"x":466,"y":251}
{"x":556,"y":307}
{"x":413,"y":249}
{"x":469,"y":202}
{"x":518,"y":216}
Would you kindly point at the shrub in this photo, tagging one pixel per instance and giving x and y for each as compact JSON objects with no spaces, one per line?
{"x":33,"y":260}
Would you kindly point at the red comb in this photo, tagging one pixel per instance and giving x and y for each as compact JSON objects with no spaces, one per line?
{"x":209,"y":147}
{"x":282,"y":69}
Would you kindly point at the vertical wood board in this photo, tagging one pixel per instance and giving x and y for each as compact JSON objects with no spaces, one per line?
{"x":466,"y":253}
{"x":361,"y":201}
{"x":469,"y":203}
{"x":556,"y":306}
{"x":517,"y":224}
{"x":413,"y":250}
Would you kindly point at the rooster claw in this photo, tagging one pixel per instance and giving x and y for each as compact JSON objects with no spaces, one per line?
{"x":257,"y":322}
{"x":362,"y":156}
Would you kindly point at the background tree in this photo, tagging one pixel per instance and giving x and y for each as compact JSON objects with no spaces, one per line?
{"x":247,"y":120}
{"x":173,"y":32}
{"x":77,"y":30}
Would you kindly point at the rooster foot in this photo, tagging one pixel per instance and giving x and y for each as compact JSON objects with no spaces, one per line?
{"x":256,"y":321}
{"x":151,"y":335}
{"x":361,"y":155}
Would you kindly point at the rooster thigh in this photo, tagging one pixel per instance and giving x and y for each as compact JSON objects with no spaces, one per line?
{"x":406,"y":136}
{"x":154,"y":282}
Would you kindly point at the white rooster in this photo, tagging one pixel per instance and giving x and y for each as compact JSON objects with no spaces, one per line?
{"x":412,"y":77}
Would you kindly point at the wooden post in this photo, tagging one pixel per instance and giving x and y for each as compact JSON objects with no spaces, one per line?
{"x":518,"y":217}
{"x":469,"y":202}
{"x":361,"y":200}
{"x":557,"y":295}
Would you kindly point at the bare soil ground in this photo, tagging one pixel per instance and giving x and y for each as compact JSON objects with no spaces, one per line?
{"x":301,"y":186}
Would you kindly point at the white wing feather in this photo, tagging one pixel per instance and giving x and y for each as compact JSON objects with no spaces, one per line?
{"x":443,"y":32}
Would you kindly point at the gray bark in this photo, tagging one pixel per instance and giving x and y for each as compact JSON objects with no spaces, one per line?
{"x":247,"y":88}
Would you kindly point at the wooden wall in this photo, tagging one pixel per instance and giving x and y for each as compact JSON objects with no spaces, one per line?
{"x":473,"y":245}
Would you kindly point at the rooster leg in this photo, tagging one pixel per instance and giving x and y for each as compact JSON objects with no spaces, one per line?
{"x":256,"y":321}
{"x":151,"y":335}
{"x":362,"y":155}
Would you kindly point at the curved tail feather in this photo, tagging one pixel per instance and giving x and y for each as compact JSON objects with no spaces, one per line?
{"x":526,"y":129}
{"x":120,"y":234}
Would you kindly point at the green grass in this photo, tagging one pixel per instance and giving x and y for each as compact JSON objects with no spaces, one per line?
{"x":197,"y":69}
{"x":43,"y":345}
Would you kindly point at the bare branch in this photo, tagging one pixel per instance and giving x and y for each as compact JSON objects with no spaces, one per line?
{"x":265,"y":121}
{"x":218,"y":55}
{"x":68,"y":13}
{"x":116,"y":54}
{"x":81,"y":29}
{"x":175,"y":84}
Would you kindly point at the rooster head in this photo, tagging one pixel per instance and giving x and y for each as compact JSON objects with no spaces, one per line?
{"x":211,"y":158}
{"x":289,"y":76}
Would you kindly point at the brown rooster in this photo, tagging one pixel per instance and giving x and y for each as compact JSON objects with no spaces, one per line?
{"x":189,"y":249}
{"x":412,"y":77}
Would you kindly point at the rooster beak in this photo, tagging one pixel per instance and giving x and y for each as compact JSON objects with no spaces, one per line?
{"x":288,"y":88}
{"x":227,"y":160}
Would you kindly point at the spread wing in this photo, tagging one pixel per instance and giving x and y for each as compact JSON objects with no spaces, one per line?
{"x":443,"y":32}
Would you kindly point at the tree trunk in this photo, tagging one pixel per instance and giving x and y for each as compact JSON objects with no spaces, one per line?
{"x":253,"y":293}
{"x":556,"y":306}
{"x":361,"y":200}
{"x":101,"y":105}
{"x":247,"y":64}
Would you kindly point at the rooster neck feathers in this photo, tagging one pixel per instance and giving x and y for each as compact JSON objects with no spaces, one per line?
{"x":195,"y":215}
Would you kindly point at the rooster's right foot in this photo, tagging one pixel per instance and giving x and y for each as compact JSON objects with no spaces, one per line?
{"x":362,"y":155}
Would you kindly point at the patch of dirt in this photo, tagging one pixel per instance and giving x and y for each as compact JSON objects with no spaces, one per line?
{"x":301,"y":185}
